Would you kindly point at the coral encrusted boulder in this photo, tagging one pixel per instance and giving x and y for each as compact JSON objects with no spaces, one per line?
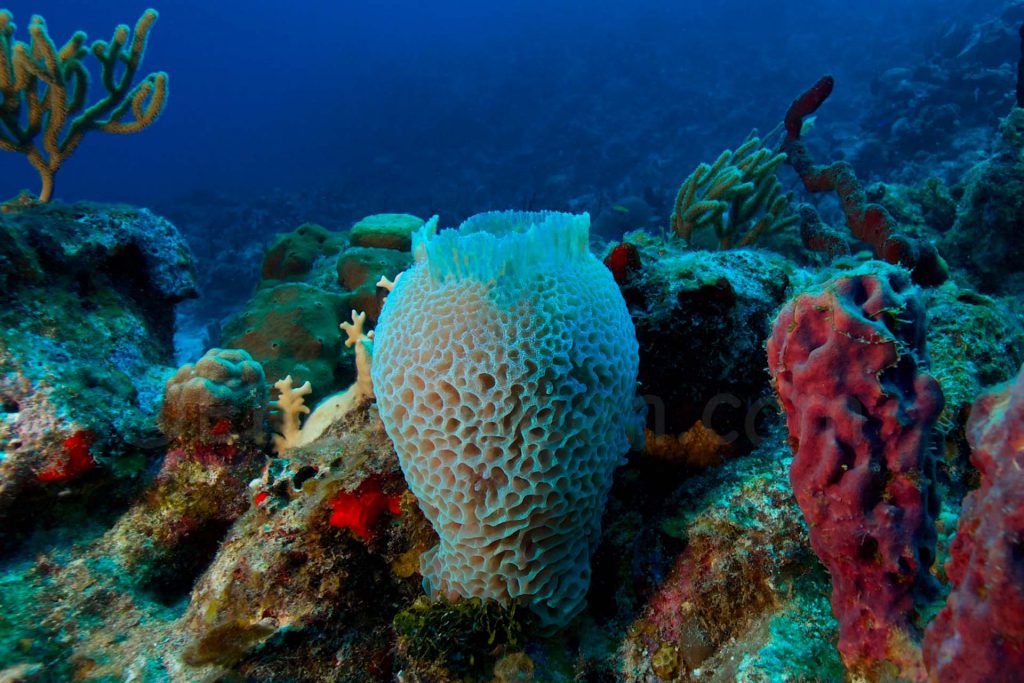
{"x":87,"y":298}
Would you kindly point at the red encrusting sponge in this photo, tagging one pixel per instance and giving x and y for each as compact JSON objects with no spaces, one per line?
{"x":360,"y":510}
{"x":78,"y":459}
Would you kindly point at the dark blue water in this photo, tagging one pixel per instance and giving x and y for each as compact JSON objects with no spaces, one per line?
{"x":464,"y":106}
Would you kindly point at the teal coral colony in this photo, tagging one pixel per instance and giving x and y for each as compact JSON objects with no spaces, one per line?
{"x":263,"y":419}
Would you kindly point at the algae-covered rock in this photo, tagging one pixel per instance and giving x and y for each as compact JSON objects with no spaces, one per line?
{"x":746,"y":549}
{"x":385,"y":231}
{"x":169,"y":537}
{"x":308,"y":585}
{"x":439,"y":640}
{"x":293,"y":565}
{"x":96,"y":240}
{"x":292,"y":255}
{"x":702,"y":318}
{"x":213,"y":415}
{"x":974,"y":342}
{"x":926,"y":209}
{"x":86,"y":322}
{"x":987,"y":242}
{"x":294,"y":592}
{"x":800,"y":639}
{"x":292,"y":329}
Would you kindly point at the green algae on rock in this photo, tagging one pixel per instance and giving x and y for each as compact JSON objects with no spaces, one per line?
{"x":87,"y":309}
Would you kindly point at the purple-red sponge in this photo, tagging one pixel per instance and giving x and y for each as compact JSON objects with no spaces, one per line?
{"x":846,"y":364}
{"x":979,"y":635}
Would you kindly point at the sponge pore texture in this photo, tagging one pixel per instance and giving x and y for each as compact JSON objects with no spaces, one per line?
{"x":505,"y":367}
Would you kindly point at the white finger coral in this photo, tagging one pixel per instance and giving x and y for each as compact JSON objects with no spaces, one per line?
{"x":364,"y":349}
{"x":505,"y":366}
{"x":292,"y":403}
{"x":289,"y":407}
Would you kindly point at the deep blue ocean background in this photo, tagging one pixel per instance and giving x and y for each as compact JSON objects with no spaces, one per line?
{"x":457,"y":107}
{"x":283,"y":113}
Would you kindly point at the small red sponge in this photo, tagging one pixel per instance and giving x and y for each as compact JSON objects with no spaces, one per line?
{"x":359,"y":511}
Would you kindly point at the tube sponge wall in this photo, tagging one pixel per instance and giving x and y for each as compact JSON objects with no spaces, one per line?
{"x":505,"y":367}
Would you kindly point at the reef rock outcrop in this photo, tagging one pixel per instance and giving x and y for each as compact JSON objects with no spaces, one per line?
{"x":87,"y":297}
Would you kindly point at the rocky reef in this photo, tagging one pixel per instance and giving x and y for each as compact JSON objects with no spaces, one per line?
{"x":87,"y":296}
{"x":509,"y":453}
{"x":227,"y":552}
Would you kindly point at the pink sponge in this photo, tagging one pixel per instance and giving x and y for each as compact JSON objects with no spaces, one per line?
{"x":979,"y":635}
{"x":859,"y":411}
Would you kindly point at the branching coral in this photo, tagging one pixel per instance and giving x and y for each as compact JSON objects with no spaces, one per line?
{"x":288,"y":408}
{"x":292,"y":403}
{"x":363,"y":343}
{"x":43,"y":91}
{"x":739,"y":196}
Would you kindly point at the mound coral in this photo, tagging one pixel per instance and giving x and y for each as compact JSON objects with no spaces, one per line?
{"x":291,"y":329}
{"x":504,"y":366}
{"x":859,"y":408}
{"x":43,"y":90}
{"x":216,"y":404}
{"x":311,"y":279}
{"x":293,"y":255}
{"x":392,"y":231}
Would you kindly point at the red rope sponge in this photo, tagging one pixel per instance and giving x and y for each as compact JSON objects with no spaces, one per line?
{"x":870,"y":223}
{"x":807,"y":104}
